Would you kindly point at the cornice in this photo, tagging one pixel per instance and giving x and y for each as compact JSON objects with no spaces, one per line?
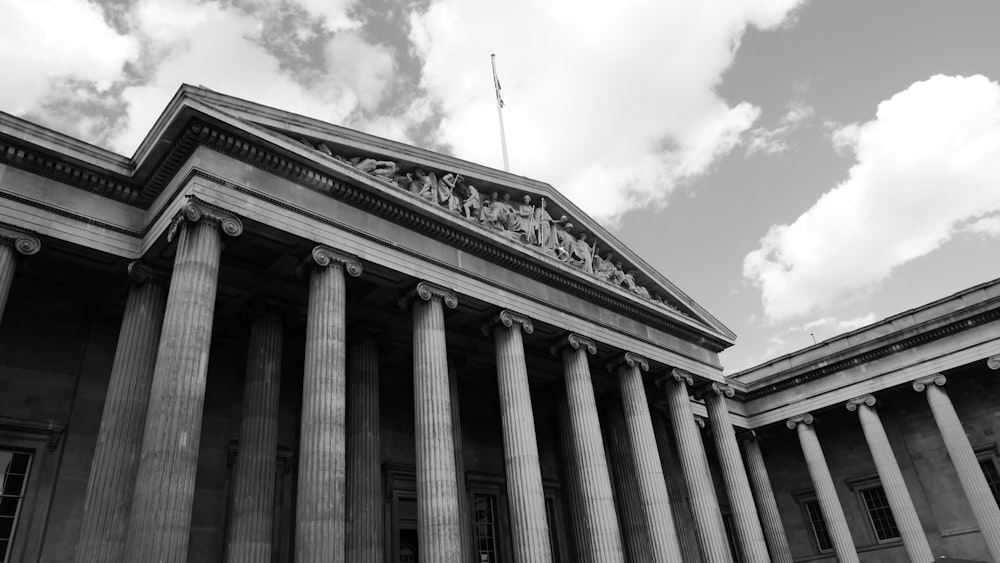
{"x":824,"y":366}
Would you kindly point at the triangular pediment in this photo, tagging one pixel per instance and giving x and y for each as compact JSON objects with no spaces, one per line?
{"x":559,"y":235}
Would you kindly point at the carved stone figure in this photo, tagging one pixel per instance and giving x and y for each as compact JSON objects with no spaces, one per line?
{"x":604,"y":268}
{"x":445,"y":192}
{"x":508,"y":215}
{"x":564,"y":239}
{"x":581,"y":254}
{"x":472,"y":205}
{"x":618,"y":277}
{"x":544,"y":231}
{"x":492,"y":213}
{"x":525,"y":223}
{"x":423,"y":184}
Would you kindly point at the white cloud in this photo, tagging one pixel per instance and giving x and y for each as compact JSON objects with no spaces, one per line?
{"x":926,"y":165}
{"x":206,"y":43}
{"x":989,"y":226}
{"x":612,"y":103}
{"x":48,"y":42}
{"x":774,"y":141}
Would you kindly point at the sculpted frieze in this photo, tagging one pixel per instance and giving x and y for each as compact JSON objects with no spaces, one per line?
{"x":527,"y":222}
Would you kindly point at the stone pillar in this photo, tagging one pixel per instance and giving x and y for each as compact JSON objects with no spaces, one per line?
{"x":320,"y":513}
{"x":571,"y":472}
{"x":464,"y":510}
{"x":116,"y":456}
{"x":826,"y":492}
{"x":525,"y":495}
{"x":602,"y":539}
{"x":250,"y":528}
{"x":704,"y":504}
{"x":970,"y":474}
{"x":12,"y":243}
{"x":658,"y":518}
{"x":628,"y":499}
{"x":364,"y":475}
{"x":680,"y":505}
{"x":160,"y":520}
{"x":774,"y":531}
{"x":438,"y":527}
{"x":891,"y":477}
{"x":748,"y":529}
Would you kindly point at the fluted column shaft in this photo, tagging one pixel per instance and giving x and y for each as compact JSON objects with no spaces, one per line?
{"x":970,"y":474}
{"x":464,"y":510}
{"x":891,"y":477}
{"x":628,"y":499}
{"x":116,"y":456}
{"x":438,"y":527}
{"x":704,"y":504}
{"x":602,"y":538}
{"x":12,"y":242}
{"x":320,"y":515}
{"x":364,"y":476}
{"x":826,"y":492}
{"x":770,"y":517}
{"x":525,"y":495}
{"x":250,"y":529}
{"x":680,"y":506}
{"x":573,"y":495}
{"x":751,"y":537}
{"x":658,"y":518}
{"x":160,"y":521}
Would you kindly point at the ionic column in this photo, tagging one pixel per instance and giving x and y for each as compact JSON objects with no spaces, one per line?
{"x":984,"y":507}
{"x":770,"y":517}
{"x":625,"y":484}
{"x":364,"y":476}
{"x":680,"y":505}
{"x":13,"y":242}
{"x":525,"y":496}
{"x":320,"y":514}
{"x":571,"y":471}
{"x":438,"y":525}
{"x":116,"y":457}
{"x":160,"y":520}
{"x":250,"y":528}
{"x":464,"y":510}
{"x":602,"y":539}
{"x":704,"y":504}
{"x":826,"y":492}
{"x":658,"y":519}
{"x":734,"y":475}
{"x":891,"y":477}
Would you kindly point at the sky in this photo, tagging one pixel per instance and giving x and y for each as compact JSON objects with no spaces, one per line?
{"x":801,"y":168}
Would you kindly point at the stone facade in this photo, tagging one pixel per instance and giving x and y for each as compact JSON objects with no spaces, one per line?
{"x":266,"y":338}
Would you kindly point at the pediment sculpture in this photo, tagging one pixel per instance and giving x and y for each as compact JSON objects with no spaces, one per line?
{"x":526,"y":222}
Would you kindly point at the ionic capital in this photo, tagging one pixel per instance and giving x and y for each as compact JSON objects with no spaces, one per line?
{"x":140,"y":273}
{"x":195,"y":210}
{"x":921,"y":384}
{"x":426,"y":291}
{"x":867,"y":400}
{"x":508,"y":319}
{"x":576,"y":342}
{"x":324,"y":256}
{"x":993,"y":362}
{"x":681,"y":376}
{"x":806,"y":418}
{"x":22,"y":241}
{"x":723,"y":390}
{"x":629,"y":359}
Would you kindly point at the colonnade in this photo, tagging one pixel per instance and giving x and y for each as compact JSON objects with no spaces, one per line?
{"x":963,"y":457}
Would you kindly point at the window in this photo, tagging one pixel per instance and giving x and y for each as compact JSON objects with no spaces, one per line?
{"x":989,"y":467}
{"x":485,"y":511}
{"x":730,"y":525}
{"x":879,"y":513}
{"x":15,"y":466}
{"x":818,"y":524}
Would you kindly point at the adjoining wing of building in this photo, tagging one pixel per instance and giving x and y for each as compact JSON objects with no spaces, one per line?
{"x":265,"y":338}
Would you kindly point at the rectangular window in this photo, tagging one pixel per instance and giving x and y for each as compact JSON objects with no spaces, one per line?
{"x":879,"y":513}
{"x":15,"y":466}
{"x":734,"y":548}
{"x":485,"y":510}
{"x":818,"y":524}
{"x":992,"y":476}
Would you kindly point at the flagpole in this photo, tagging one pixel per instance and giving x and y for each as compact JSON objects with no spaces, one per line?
{"x":503,"y":137}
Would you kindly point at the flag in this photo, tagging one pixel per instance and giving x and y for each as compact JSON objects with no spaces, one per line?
{"x":496,"y":81}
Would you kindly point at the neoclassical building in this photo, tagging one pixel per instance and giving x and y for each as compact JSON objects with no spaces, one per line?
{"x":265,"y":338}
